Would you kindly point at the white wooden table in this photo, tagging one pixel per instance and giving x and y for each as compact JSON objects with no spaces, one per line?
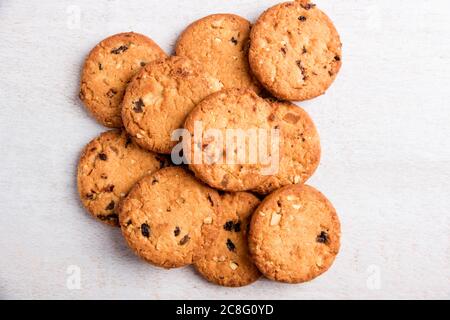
{"x":385,"y":134}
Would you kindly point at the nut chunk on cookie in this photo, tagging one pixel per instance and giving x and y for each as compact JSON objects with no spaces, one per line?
{"x":109,"y":166}
{"x":294,"y":234}
{"x":160,"y":97}
{"x":108,"y":69}
{"x":295,"y":51}
{"x":223,"y":257}
{"x":162,"y":217}
{"x":220,"y":43}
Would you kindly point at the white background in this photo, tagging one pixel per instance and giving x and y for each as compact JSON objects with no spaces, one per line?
{"x":385,"y":134}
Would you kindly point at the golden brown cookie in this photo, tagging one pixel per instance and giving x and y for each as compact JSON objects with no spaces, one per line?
{"x":160,"y":97}
{"x":220,"y":43}
{"x":233,"y":109}
{"x":295,"y":50}
{"x":299,"y":147}
{"x":108,"y":69}
{"x":162,"y":216}
{"x":109,"y":166}
{"x":294,"y":234}
{"x":223,"y":257}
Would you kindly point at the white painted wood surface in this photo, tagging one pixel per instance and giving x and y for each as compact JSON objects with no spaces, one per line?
{"x":385,"y":133}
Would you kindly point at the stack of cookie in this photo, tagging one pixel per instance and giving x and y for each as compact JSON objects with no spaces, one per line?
{"x":232,"y":220}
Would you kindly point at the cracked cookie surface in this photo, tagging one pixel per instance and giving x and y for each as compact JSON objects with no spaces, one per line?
{"x":223,"y":257}
{"x":295,"y":51}
{"x":162,"y":216}
{"x":299,"y":147}
{"x":220,"y":43}
{"x":294,"y":234}
{"x":108,"y":69}
{"x":217,"y":162}
{"x":108,"y":167}
{"x":160,"y":97}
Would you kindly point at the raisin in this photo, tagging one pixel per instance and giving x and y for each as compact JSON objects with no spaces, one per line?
{"x":234,"y":40}
{"x":322,"y":237}
{"x":228,"y":226}
{"x":210,"y":200}
{"x":110,"y":217}
{"x":177,"y":231}
{"x":337,"y":58}
{"x":304,"y":50}
{"x":90,"y":196}
{"x":283,"y":50}
{"x":237,"y":227}
{"x":138,"y":106}
{"x":127,"y":141}
{"x":143,"y":63}
{"x":111,"y":205}
{"x":119,"y":50}
{"x":102,"y":156}
{"x":145,"y":230}
{"x":230,"y":245}
{"x":111,"y":93}
{"x":100,"y":67}
{"x":330,"y":73}
{"x":109,"y":188}
{"x":184,"y":240}
{"x":302,"y":18}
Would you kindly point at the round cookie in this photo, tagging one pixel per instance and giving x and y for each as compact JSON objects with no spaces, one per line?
{"x":223,"y":258}
{"x":109,"y":166}
{"x":215,"y":161}
{"x":220,"y":43}
{"x":295,"y":51}
{"x":162,"y":216}
{"x":294,"y":234}
{"x":160,"y":97}
{"x":299,"y":147}
{"x":108,"y":69}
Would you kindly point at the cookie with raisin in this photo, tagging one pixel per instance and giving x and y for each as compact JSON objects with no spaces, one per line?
{"x":223,"y":256}
{"x":107,"y":70}
{"x":294,"y":234}
{"x":160,"y":97}
{"x":163,"y":215}
{"x":295,"y":50}
{"x":108,"y":167}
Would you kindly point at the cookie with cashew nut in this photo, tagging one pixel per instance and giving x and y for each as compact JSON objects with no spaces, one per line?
{"x":294,"y":234}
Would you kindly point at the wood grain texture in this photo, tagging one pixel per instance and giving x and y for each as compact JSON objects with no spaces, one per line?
{"x":384,"y":126}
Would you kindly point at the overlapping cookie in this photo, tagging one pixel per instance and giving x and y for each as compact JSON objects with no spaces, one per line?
{"x":108,"y":69}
